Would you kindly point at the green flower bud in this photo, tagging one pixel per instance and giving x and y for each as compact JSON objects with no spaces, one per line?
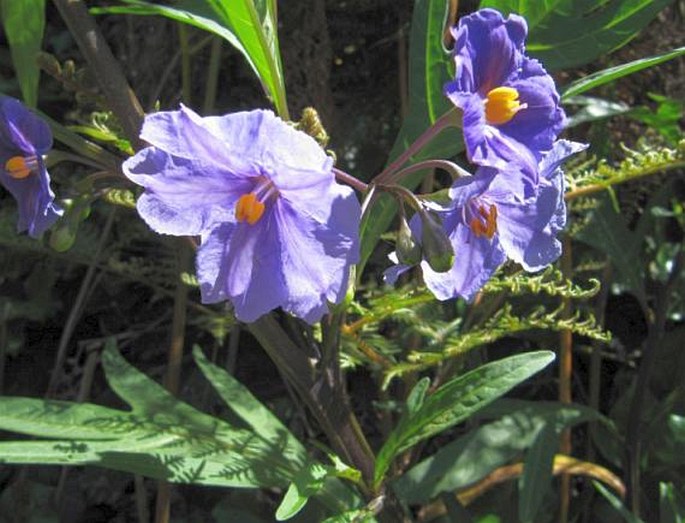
{"x":407,"y":249}
{"x":437,"y":248}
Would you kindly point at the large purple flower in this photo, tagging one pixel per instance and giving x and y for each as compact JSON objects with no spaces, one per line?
{"x":24,"y":139}
{"x":276,"y":228}
{"x":510,"y":105}
{"x":488,"y":223}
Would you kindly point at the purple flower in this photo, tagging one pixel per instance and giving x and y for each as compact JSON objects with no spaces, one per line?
{"x":276,"y":228}
{"x":510,"y":105}
{"x":24,"y":139}
{"x":488,"y":223}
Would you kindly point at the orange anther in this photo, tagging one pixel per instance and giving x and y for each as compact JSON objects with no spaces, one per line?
{"x":487,"y":224}
{"x":501,"y":105}
{"x":249,"y":209}
{"x":17,"y":167}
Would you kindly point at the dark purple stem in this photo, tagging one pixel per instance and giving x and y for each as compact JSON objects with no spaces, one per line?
{"x":449,"y":119}
{"x":350,"y":180}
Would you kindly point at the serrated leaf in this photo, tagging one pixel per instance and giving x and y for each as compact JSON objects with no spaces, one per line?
{"x":570,"y":33}
{"x":457,"y":400}
{"x":247,"y":26}
{"x":430,"y":67}
{"x":24,"y":23}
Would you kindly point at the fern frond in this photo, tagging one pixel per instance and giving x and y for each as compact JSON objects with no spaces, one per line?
{"x":550,"y":281}
{"x":637,"y":164}
{"x":503,"y":324}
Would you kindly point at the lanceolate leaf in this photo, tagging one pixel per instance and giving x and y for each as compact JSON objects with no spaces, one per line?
{"x":160,"y":437}
{"x":606,"y":76}
{"x":515,"y":427}
{"x":569,"y":33}
{"x":457,"y":400}
{"x":24,"y":23}
{"x":245,"y":405}
{"x":250,"y":28}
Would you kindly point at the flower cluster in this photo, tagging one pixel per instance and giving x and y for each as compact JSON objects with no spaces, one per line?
{"x":276,"y":229}
{"x":24,"y":139}
{"x":513,"y":206}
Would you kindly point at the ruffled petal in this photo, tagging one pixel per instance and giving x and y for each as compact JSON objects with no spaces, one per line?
{"x":241,"y":263}
{"x":35,"y":200}
{"x":183,"y":196}
{"x":316,"y":257}
{"x":539,"y":124}
{"x":492,"y":45}
{"x":21,"y":130}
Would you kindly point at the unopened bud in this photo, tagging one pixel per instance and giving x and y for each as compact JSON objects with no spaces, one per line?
{"x":407,"y":248}
{"x":437,"y":248}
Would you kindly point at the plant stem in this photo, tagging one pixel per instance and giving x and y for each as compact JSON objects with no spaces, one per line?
{"x":449,"y":119}
{"x":565,"y":376}
{"x":350,"y":180}
{"x":453,"y":169}
{"x":172,"y":376}
{"x":636,"y":423}
{"x":107,"y":70}
{"x":320,"y":389}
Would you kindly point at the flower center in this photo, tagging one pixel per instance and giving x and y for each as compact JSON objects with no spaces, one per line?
{"x":501,"y":105}
{"x":484,"y":221}
{"x":249,"y":209}
{"x":251,"y":206}
{"x":19,"y":167}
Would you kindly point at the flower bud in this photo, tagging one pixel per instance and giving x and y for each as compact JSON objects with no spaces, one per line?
{"x":407,"y":248}
{"x":437,"y":248}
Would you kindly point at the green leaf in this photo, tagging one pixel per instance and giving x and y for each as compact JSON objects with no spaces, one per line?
{"x":537,"y":473}
{"x":245,"y":405}
{"x":417,"y":395}
{"x":430,"y":67}
{"x":608,"y":233}
{"x":250,"y":28}
{"x":606,"y":76}
{"x":56,"y":419}
{"x":24,"y":23}
{"x":160,"y":437}
{"x":616,"y":503}
{"x":457,"y":400}
{"x":671,"y":505}
{"x":474,"y":455}
{"x":569,"y":33}
{"x":593,"y":109}
{"x":306,"y":483}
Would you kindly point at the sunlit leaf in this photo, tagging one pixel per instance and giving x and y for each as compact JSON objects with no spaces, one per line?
{"x":569,"y":33}
{"x":24,"y":23}
{"x":457,"y":400}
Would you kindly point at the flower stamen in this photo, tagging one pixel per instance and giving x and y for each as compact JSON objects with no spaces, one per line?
{"x":501,"y":105}
{"x":485,"y":222}
{"x":249,"y":209}
{"x":19,"y":167}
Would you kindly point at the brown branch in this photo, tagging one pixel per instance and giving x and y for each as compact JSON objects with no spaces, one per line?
{"x":117,"y":92}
